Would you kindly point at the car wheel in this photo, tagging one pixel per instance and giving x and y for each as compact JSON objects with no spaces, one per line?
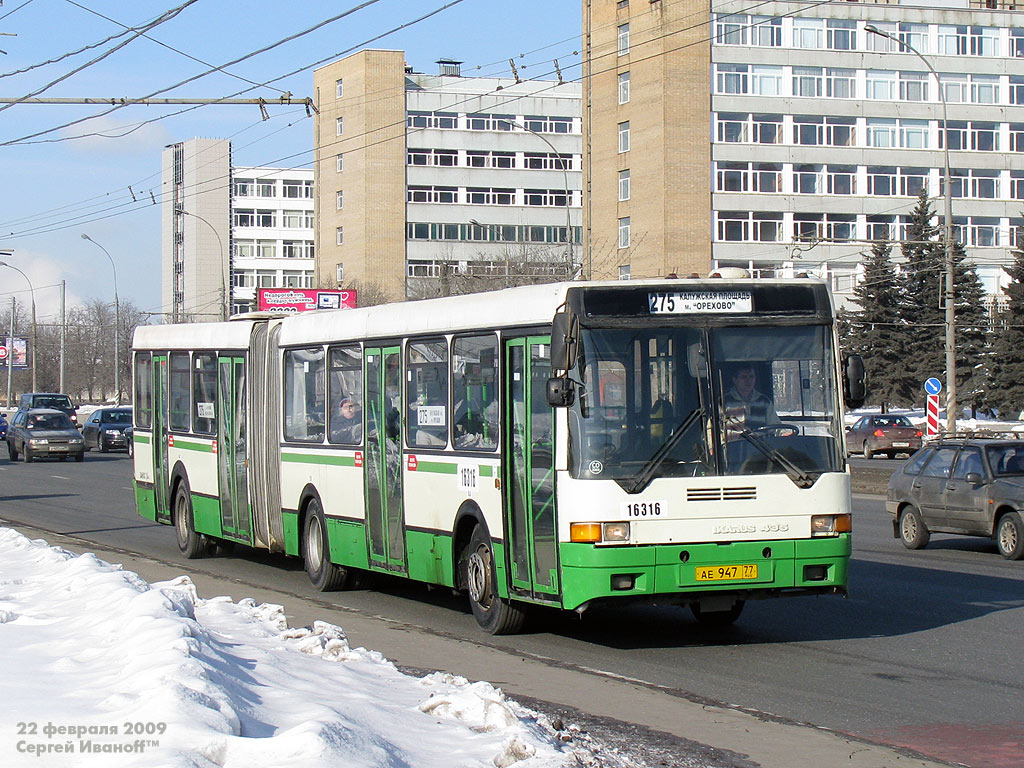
{"x":494,"y":614}
{"x":12,"y":452}
{"x":102,"y":444}
{"x":913,"y":532}
{"x":324,"y":575}
{"x":131,"y":449}
{"x":80,"y":456}
{"x":717,"y":618}
{"x":191,"y":544}
{"x":1010,"y":536}
{"x":868,"y":453}
{"x":29,"y":458}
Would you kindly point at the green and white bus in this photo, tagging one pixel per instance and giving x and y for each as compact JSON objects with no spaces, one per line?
{"x":672,"y":441}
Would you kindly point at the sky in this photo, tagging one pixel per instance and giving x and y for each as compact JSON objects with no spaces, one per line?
{"x":146,"y":674}
{"x":95,"y":177}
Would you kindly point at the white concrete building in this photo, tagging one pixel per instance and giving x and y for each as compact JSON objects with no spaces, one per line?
{"x":228,"y":231}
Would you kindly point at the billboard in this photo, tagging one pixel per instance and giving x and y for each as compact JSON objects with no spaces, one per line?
{"x":303,"y":299}
{"x":16,"y":353}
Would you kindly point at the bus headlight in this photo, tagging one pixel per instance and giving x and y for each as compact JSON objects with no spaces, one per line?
{"x":595,"y":533}
{"x":830,"y":525}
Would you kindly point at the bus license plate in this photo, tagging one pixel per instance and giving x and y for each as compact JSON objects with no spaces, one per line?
{"x":727,"y":572}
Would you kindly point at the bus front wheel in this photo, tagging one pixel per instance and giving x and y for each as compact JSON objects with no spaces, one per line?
{"x":191,"y":544}
{"x":325,"y":575}
{"x":495,"y":615}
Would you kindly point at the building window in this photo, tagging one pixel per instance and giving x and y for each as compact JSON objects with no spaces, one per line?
{"x":881,"y":133}
{"x":731,"y":28}
{"x":985,"y":89}
{"x":489,"y":196}
{"x":624,"y":272}
{"x":880,"y":44}
{"x":881,"y":86}
{"x":913,"y":181}
{"x":1017,"y":137}
{"x":559,"y":198}
{"x":840,"y":131}
{"x":842,"y":179}
{"x":841,"y":34}
{"x":808,"y":33}
{"x":984,"y":41}
{"x":731,"y":78}
{"x":984,"y":184}
{"x":840,"y":226}
{"x":266,"y":188}
{"x":444,"y":120}
{"x":339,"y":89}
{"x":623,"y":87}
{"x":983,"y":231}
{"x":808,"y":226}
{"x":433,"y":195}
{"x":732,"y":127}
{"x":339,"y":126}
{"x":297,"y":189}
{"x":954,"y":136}
{"x":1017,"y":43}
{"x":765,"y":31}
{"x":245,"y":249}
{"x":266,"y":218}
{"x":1017,"y":89}
{"x":731,"y":177}
{"x":808,"y":81}
{"x":297,"y":219}
{"x":266,"y":249}
{"x":765,"y":81}
{"x":767,"y":227}
{"x":914,"y":35}
{"x":733,"y":226}
{"x":954,"y":88}
{"x":913,"y":86}
{"x":243,"y":217}
{"x":766,"y":177}
{"x":341,"y":162}
{"x":477,"y":122}
{"x":807,"y":180}
{"x":984,"y":137}
{"x":340,"y":200}
{"x":244,"y":188}
{"x":541,"y":161}
{"x":548,"y":124}
{"x":266,"y":278}
{"x":624,"y":185}
{"x":624,"y":136}
{"x":1016,"y":186}
{"x":624,"y":232}
{"x":914,"y":134}
{"x":623,"y":39}
{"x":339,"y":236}
{"x":881,"y":227}
{"x":952,"y":41}
{"x":841,"y":83}
{"x":339,"y":273}
{"x":767,"y":129}
{"x":298,"y":249}
{"x":808,"y":130}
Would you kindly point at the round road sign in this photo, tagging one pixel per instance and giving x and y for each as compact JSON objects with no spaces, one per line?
{"x":933,"y":386}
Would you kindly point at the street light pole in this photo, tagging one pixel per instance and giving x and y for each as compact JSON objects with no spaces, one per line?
{"x":117,"y":321}
{"x":224,"y":297}
{"x":32,"y":292}
{"x":950,"y":293}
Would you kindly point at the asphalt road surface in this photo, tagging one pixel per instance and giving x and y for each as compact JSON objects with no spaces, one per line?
{"x":925,"y":654}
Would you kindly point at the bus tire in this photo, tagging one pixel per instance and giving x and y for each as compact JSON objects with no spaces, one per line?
{"x":192,"y":545}
{"x":913,"y":532}
{"x":494,"y":614}
{"x":717,"y":618}
{"x":325,"y":575}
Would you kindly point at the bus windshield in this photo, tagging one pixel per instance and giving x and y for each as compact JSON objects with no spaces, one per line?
{"x":695,"y":402}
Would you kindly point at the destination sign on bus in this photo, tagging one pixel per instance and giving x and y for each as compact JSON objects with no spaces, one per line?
{"x":699,"y":302}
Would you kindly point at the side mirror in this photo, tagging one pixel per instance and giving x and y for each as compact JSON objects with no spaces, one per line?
{"x":974,"y":478}
{"x":854,"y":386}
{"x":560,"y":392}
{"x":564,"y":341}
{"x":848,"y":427}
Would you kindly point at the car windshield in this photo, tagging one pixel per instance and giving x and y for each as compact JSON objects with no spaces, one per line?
{"x":49,"y":421}
{"x":117,"y":417}
{"x":1007,"y":458}
{"x":62,"y":402}
{"x":689,"y":401}
{"x":892,"y":421}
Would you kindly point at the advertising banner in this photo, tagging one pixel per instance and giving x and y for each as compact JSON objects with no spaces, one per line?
{"x":16,"y":353}
{"x":303,"y":299}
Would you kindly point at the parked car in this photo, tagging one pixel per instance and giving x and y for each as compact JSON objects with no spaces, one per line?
{"x":61,"y":402}
{"x":891,"y":435}
{"x":129,"y":438}
{"x":104,"y":429}
{"x":42,"y":432}
{"x":970,"y":486}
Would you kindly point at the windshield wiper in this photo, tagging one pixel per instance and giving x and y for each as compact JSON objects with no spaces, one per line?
{"x":643,"y":478}
{"x":799,"y":477}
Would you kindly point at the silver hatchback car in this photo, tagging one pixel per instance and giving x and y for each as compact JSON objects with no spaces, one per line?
{"x":972,"y":486}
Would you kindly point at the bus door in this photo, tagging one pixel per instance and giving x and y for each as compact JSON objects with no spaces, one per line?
{"x":232,"y":453}
{"x":529,"y":467}
{"x":382,"y":467}
{"x":159,"y":439}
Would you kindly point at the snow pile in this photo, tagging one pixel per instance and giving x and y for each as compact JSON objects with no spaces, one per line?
{"x":103,"y":669}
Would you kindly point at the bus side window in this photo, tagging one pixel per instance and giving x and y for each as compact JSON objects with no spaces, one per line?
{"x":427,"y":390}
{"x":475,"y":393}
{"x":304,"y":395}
{"x":143,"y":389}
{"x":179,"y":393}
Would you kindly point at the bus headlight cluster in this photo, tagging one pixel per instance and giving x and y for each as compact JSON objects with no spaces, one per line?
{"x":830,"y":525}
{"x":594,"y":533}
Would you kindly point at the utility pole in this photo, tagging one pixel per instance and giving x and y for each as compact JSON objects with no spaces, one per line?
{"x":10,"y":352}
{"x":63,"y":332}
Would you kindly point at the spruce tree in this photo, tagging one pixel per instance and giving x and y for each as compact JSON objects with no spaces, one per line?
{"x":1007,"y":358}
{"x":921,"y":288}
{"x":875,"y":331}
{"x":971,"y":333}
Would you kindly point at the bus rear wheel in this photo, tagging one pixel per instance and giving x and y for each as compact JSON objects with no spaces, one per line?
{"x":494,"y":614}
{"x":191,"y":544}
{"x":325,"y":575}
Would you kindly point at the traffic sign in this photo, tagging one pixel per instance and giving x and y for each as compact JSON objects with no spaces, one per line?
{"x":3,"y":353}
{"x":933,"y":386}
{"x":932,"y":415}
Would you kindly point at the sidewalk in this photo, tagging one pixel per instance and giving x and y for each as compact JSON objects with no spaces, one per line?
{"x":715,"y":736}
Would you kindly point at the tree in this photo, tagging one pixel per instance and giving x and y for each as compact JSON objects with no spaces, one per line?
{"x":921,"y":289}
{"x":876,"y":331}
{"x":1006,"y":367}
{"x":972,"y":335}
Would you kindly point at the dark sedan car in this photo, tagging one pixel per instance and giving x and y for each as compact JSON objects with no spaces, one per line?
{"x":105,"y":427}
{"x":967,"y":486}
{"x":42,"y":432}
{"x":872,"y":435}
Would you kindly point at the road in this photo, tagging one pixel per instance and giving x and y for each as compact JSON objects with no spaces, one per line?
{"x":924,"y":654}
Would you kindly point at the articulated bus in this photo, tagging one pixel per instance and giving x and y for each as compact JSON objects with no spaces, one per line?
{"x":673,"y":441}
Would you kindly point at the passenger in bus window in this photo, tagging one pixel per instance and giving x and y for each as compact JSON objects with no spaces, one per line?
{"x":745,"y":406}
{"x":346,"y":423}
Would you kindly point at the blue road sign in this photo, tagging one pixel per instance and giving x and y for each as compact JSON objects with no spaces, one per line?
{"x":933,"y":386}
